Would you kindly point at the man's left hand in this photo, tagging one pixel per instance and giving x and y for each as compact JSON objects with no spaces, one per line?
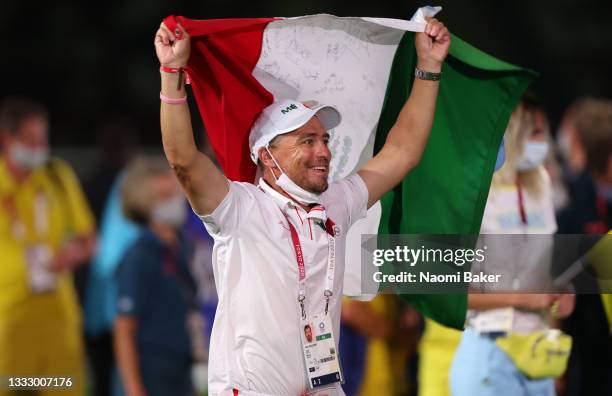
{"x":432,"y":46}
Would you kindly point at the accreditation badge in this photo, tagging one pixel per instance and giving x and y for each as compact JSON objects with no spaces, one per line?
{"x":41,"y":278}
{"x":320,"y":353}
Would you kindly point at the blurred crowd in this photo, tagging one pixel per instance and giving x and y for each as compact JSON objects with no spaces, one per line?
{"x":108,"y":280}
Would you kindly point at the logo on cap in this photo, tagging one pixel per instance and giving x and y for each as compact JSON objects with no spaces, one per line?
{"x":289,"y":108}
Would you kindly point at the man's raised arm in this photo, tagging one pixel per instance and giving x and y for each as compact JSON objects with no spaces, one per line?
{"x":407,"y":138}
{"x":204,"y":185}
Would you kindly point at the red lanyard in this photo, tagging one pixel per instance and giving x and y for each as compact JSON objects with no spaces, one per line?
{"x":297,"y":246}
{"x":332,"y":230}
{"x":521,"y":202}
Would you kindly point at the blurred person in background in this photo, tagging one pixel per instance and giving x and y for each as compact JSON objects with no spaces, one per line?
{"x":520,"y":202}
{"x":156,"y":292}
{"x":115,"y":235}
{"x":585,"y":144}
{"x":438,"y":343}
{"x":358,"y":323}
{"x":436,"y":350}
{"x":46,"y":231}
{"x":392,"y":332}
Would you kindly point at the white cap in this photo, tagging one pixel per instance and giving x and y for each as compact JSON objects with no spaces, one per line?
{"x":285,"y":116}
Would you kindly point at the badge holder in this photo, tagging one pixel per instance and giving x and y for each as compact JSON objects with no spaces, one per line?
{"x":40,"y":276}
{"x":318,"y":342}
{"x":320,"y":354}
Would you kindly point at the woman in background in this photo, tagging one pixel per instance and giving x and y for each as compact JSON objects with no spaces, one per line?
{"x":520,"y":202}
{"x":156,"y":290}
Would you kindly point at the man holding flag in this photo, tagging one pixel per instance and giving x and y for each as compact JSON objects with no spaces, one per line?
{"x":279,"y":246}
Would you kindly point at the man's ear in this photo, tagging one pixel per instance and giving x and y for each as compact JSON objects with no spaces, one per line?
{"x":265,"y":158}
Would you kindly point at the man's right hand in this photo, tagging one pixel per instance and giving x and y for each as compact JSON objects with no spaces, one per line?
{"x":172,"y":48}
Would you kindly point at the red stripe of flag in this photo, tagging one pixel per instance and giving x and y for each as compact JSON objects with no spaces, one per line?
{"x":224,"y":53}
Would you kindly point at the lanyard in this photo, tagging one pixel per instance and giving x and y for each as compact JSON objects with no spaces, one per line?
{"x":40,"y":208}
{"x":521,"y":202}
{"x":332,"y":231}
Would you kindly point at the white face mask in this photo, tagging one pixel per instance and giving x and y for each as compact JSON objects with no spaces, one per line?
{"x":27,"y":158}
{"x":296,"y":192}
{"x":171,"y":212}
{"x":533,"y":155}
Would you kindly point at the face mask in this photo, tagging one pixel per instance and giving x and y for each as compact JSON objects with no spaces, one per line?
{"x":296,"y":192}
{"x":533,"y":156}
{"x":27,"y":158}
{"x":171,"y":212}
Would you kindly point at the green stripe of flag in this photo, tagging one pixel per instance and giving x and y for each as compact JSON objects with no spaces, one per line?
{"x":447,"y":192}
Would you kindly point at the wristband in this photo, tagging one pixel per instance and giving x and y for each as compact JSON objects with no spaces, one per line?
{"x":167,"y":69}
{"x":172,"y":101}
{"x":425,"y":75}
{"x":180,"y":71}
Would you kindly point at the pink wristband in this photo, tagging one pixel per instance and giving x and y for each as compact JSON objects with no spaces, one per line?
{"x":172,"y":101}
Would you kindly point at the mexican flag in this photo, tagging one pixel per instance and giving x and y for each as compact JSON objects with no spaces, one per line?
{"x":364,"y":67}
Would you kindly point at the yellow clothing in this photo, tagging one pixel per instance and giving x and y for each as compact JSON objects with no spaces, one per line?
{"x":599,"y":258}
{"x":385,"y":363}
{"x":436,"y":353}
{"x":40,"y":332}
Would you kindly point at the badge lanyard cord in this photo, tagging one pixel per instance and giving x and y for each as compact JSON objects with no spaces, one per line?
{"x":521,"y":203}
{"x":18,"y":227}
{"x":40,"y":205}
{"x":331,"y":263}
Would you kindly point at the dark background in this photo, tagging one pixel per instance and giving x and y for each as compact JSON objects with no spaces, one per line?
{"x":94,"y":62}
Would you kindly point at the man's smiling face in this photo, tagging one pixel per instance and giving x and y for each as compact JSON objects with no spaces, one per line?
{"x":304,"y":155}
